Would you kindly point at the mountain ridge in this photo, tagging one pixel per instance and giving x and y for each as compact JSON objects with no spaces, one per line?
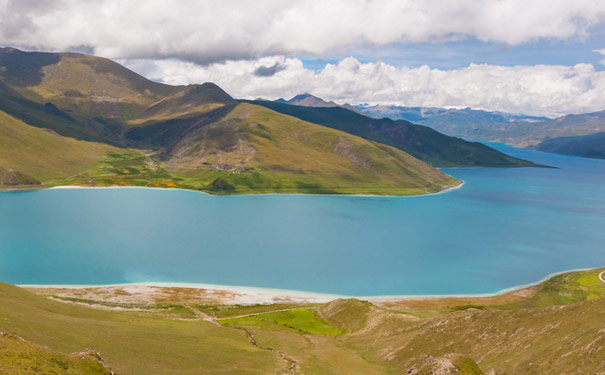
{"x":186,"y":136}
{"x":417,"y":140}
{"x":573,"y":134}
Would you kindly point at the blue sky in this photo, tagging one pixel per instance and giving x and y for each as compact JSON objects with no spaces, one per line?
{"x":458,"y":54}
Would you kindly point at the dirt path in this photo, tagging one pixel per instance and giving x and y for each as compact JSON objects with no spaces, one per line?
{"x":205,"y":317}
{"x":149,"y":160}
{"x":601,"y":277}
{"x":266,"y":312}
{"x":282,"y":355}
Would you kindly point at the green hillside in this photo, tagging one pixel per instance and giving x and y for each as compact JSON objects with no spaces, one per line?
{"x":263,"y":150}
{"x":89,"y":85}
{"x":193,"y":137}
{"x":558,"y":325}
{"x":18,"y":357}
{"x":42,"y":154}
{"x":419,"y":141}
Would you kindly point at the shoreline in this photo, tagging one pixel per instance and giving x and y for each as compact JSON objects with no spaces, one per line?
{"x":252,"y":295}
{"x":68,"y":187}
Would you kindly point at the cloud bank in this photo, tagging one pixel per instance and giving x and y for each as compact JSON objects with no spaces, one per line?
{"x":219,"y":30}
{"x":549,"y":90}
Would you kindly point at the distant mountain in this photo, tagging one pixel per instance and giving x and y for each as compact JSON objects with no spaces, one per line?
{"x":417,"y":140}
{"x":458,"y":116}
{"x":308,"y":100}
{"x":195,"y":136}
{"x":577,"y":134}
{"x":589,"y":146}
{"x":565,"y":126}
{"x":466,"y":123}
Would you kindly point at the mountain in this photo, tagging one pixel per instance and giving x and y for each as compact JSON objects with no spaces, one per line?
{"x":576,"y":134}
{"x":450,"y":121}
{"x":419,"y":141}
{"x":565,"y":126}
{"x":464,"y":123}
{"x":195,"y":136}
{"x":308,"y":100}
{"x":273,"y":152}
{"x":588,"y":146}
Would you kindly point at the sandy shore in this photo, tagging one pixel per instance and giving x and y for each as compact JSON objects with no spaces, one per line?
{"x":160,"y":292}
{"x":157,"y":292}
{"x":251,"y":194}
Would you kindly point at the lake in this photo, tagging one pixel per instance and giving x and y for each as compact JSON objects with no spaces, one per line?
{"x":503,"y":228}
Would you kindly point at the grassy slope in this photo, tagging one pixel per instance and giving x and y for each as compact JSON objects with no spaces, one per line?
{"x":566,"y":288}
{"x":561,"y":340}
{"x":290,"y":155}
{"x":18,"y":357}
{"x":131,"y":343}
{"x":43,"y":154}
{"x":344,"y":336}
{"x":89,"y":85}
{"x":91,"y":98}
{"x":417,"y":140}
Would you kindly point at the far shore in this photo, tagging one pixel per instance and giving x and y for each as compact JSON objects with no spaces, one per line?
{"x":39,"y":187}
{"x":244,"y":295}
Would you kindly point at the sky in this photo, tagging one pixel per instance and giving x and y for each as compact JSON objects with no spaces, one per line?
{"x":537,"y":57}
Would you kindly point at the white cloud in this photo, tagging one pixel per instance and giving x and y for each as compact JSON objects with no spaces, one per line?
{"x":218,"y":30}
{"x":601,"y":52}
{"x":538,"y":90}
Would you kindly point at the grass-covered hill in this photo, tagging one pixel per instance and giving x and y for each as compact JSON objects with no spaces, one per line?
{"x":552,"y":328}
{"x":195,"y":136}
{"x":419,"y":141}
{"x":37,"y":154}
{"x":268,"y":151}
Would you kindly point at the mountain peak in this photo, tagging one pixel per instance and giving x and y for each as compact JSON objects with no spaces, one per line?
{"x":309,"y":100}
{"x":208,"y":92}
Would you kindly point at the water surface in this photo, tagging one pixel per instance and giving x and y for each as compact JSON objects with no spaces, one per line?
{"x":503,"y":228}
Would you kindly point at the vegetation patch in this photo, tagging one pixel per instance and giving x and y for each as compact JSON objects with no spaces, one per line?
{"x":18,"y":357}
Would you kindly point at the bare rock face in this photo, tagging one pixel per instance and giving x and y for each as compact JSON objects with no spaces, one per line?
{"x":450,"y":364}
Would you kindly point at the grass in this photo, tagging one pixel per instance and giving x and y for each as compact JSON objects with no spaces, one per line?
{"x":204,"y":140}
{"x":254,"y":149}
{"x":555,"y":329}
{"x":563,"y":289}
{"x":315,"y":171}
{"x":227,"y":311}
{"x":303,"y":320}
{"x":132,"y":343}
{"x":18,"y":357}
{"x":43,"y":154}
{"x":419,"y":141}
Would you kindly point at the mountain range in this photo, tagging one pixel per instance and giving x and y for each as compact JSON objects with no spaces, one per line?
{"x":575,"y":134}
{"x":77,"y":119}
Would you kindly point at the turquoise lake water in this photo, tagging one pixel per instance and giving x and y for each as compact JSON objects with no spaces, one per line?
{"x":503,"y":228}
